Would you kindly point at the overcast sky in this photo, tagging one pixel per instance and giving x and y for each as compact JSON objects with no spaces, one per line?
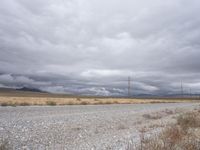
{"x":92,"y":46}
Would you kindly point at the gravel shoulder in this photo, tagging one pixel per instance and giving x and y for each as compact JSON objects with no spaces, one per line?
{"x":84,"y":127}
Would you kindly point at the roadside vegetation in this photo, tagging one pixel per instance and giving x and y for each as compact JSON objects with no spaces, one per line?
{"x":4,"y":145}
{"x":51,"y":103}
{"x":183,"y":135}
{"x":14,"y":104}
{"x":26,"y":101}
{"x":158,"y":115}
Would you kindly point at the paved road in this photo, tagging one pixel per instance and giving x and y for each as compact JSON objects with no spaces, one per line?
{"x":75,"y":127}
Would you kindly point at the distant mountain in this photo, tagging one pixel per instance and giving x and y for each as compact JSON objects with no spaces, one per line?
{"x":27,"y":89}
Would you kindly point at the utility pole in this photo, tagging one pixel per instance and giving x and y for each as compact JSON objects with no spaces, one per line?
{"x":129,"y":86}
{"x":190,"y":92}
{"x":181,"y":89}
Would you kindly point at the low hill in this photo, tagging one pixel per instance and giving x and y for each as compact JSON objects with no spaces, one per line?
{"x":26,"y":92}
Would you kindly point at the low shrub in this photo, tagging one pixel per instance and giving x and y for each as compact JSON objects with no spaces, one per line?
{"x":4,"y":145}
{"x":71,"y":103}
{"x":78,"y":99}
{"x":96,"y":100}
{"x":51,"y":103}
{"x":121,"y":127}
{"x":152,"y":116}
{"x":175,"y":137}
{"x":172,"y":138}
{"x":172,"y":135}
{"x":116,"y":102}
{"x":84,"y":103}
{"x":4,"y":104}
{"x":189,"y":120}
{"x":108,"y":102}
{"x":24,"y":104}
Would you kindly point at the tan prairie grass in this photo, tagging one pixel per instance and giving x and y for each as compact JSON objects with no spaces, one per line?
{"x":25,"y":101}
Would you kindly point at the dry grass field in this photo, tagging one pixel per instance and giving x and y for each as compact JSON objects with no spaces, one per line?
{"x":23,"y":101}
{"x":34,"y":100}
{"x":10,"y":97}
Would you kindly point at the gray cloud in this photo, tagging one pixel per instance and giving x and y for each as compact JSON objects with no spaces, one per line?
{"x":90,"y":47}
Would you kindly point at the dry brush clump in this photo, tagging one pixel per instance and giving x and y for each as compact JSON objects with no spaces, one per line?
{"x":158,"y":115}
{"x":96,"y":100}
{"x":84,"y":103}
{"x":152,"y":116}
{"x":24,"y":104}
{"x":78,"y":99}
{"x":4,"y":145}
{"x":121,"y":127}
{"x":189,"y":120}
{"x":51,"y":103}
{"x":184,"y":135}
{"x":5,"y":104}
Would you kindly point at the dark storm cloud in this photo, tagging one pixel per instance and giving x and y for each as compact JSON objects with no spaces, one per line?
{"x":90,"y":47}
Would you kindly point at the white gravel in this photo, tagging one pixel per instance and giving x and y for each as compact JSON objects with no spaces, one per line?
{"x":76,"y":127}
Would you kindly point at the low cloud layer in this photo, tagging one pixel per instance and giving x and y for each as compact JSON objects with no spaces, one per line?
{"x":91,"y":47}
